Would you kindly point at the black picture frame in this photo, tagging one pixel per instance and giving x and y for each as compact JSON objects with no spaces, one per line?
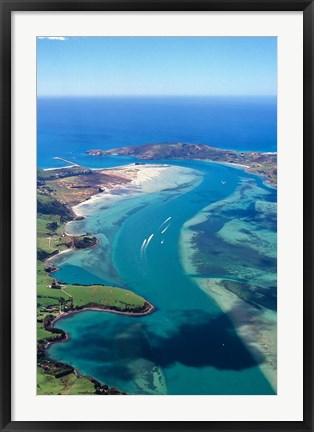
{"x":7,"y":7}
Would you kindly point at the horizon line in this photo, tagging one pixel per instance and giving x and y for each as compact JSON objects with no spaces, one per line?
{"x":155,"y":96}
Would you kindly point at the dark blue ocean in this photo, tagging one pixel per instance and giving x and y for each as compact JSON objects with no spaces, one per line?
{"x":69,"y":127}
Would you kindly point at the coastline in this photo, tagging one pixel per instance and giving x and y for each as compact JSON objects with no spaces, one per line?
{"x":225,"y":302}
{"x":246,"y":168}
{"x":65,"y":315}
{"x":146,"y":179}
{"x":99,"y":388}
{"x":138,"y":180}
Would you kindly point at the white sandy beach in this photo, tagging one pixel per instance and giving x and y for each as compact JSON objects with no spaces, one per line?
{"x":142,"y":179}
{"x":236,"y":165}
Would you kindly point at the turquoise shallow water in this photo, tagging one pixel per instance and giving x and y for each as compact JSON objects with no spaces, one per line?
{"x":188,"y":346}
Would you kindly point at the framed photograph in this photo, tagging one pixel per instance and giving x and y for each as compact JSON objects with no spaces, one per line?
{"x":156,"y":215}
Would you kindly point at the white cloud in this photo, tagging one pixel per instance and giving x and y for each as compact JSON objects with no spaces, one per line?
{"x":59,"y":38}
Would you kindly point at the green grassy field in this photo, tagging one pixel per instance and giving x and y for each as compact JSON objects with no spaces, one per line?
{"x":69,"y":385}
{"x":104,"y":295}
{"x":43,"y":220}
{"x":46,"y":294}
{"x":46,"y":297}
{"x":49,"y":239}
{"x":42,"y":333}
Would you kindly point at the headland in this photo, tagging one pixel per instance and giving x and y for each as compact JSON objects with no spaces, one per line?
{"x":263,"y":164}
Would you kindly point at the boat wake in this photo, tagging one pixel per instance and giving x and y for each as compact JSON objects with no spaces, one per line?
{"x":165,"y":229}
{"x":164,"y":222}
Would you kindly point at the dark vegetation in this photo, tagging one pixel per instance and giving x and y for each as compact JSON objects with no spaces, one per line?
{"x":50,"y":206}
{"x":84,"y":242}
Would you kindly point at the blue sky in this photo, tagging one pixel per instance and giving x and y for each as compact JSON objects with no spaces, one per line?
{"x":144,"y":66}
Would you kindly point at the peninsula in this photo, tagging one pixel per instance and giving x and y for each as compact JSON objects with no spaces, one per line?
{"x":263,"y":164}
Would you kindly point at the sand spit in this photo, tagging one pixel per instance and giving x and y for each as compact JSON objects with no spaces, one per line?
{"x":136,"y":180}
